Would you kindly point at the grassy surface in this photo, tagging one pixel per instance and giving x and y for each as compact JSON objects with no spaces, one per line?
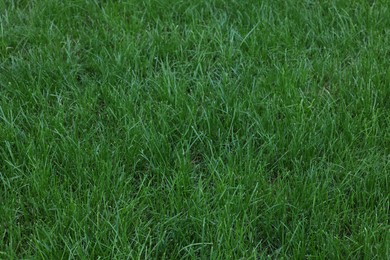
{"x":194,"y":129}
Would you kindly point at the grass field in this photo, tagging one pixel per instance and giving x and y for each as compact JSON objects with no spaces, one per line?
{"x":194,"y":129}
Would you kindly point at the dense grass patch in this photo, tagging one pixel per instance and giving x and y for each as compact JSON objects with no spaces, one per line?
{"x":194,"y":129}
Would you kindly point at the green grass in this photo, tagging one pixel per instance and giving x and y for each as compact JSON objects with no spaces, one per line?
{"x":194,"y":129}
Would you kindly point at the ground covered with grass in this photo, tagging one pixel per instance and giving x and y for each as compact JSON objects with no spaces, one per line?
{"x":194,"y":129}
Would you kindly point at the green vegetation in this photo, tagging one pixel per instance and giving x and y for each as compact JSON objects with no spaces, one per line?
{"x":194,"y":129}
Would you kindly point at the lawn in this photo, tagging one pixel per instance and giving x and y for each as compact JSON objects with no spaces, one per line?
{"x":216,"y":129}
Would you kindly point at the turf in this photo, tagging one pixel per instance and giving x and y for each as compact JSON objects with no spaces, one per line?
{"x":194,"y":129}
